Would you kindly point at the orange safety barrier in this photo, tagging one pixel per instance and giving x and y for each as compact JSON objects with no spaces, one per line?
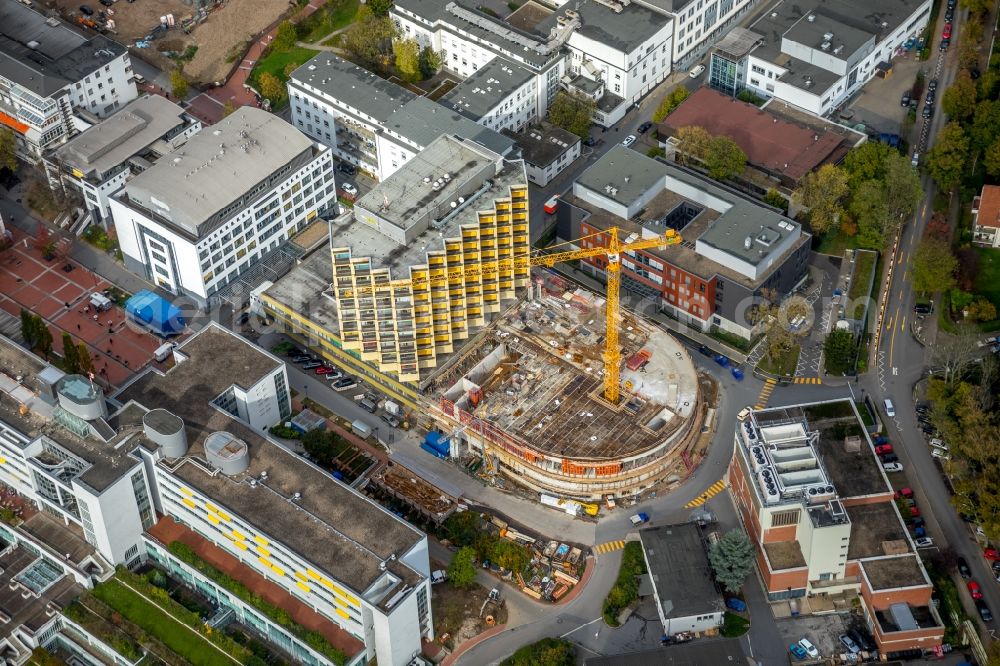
{"x":13,"y":123}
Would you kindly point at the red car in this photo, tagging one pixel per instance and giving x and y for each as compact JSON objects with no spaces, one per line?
{"x":903,"y":492}
{"x":992,"y":554}
{"x":882,"y":449}
{"x":974,"y":589}
{"x":946,"y":33}
{"x":914,"y":511}
{"x":324,"y":370}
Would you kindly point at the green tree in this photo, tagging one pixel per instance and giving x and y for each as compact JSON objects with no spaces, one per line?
{"x":44,"y":344}
{"x":823,"y":192}
{"x":774,"y":198}
{"x":991,"y":159}
{"x":319,"y":444}
{"x":430,"y":62}
{"x":29,"y":329}
{"x":732,"y":558}
{"x":933,"y":266}
{"x":976,"y":6}
{"x":271,"y":87}
{"x":985,"y":127}
{"x":462,"y":527}
{"x":71,"y":361}
{"x":866,"y":162}
{"x":285,"y":37}
{"x":84,"y":360}
{"x":8,"y":149}
{"x":881,"y":205}
{"x":407,"y":52}
{"x":370,"y":38}
{"x":839,"y":352}
{"x":572,"y":113}
{"x":380,"y":7}
{"x":947,"y":159}
{"x":546,"y":652}
{"x":510,"y":555}
{"x":724,"y":158}
{"x":178,"y":85}
{"x":959,"y":100}
{"x":671,"y":102}
{"x":462,"y":570}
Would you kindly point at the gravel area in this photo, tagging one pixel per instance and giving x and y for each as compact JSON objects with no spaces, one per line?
{"x":236,"y":21}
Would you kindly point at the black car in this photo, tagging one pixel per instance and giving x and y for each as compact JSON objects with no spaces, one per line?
{"x":928,"y":111}
{"x":643,"y":128}
{"x":922,"y":308}
{"x":590,"y":141}
{"x":86,"y":10}
{"x":862,"y":639}
{"x":890,"y":458}
{"x":921,"y":409}
{"x":704,"y":351}
{"x":107,"y":3}
{"x":945,"y":43}
{"x":984,"y":610}
{"x":963,"y":568}
{"x":949,"y":14}
{"x":932,"y":85}
{"x":929,"y":429}
{"x":930,"y":97}
{"x":347,"y":168}
{"x":905,"y":101}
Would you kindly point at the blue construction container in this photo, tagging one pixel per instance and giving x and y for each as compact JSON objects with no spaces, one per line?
{"x":155,"y":313}
{"x":437,"y":443}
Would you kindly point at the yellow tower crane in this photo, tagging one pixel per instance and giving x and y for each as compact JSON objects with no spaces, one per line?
{"x":612,"y":247}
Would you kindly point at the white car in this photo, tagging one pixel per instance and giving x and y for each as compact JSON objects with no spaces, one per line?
{"x":892,"y":467}
{"x":941,"y":455}
{"x":810,"y":649}
{"x":438,"y":576}
{"x":924,"y":542}
{"x":915,"y":160}
{"x":350,"y":189}
{"x":696,"y":71}
{"x":629,"y":140}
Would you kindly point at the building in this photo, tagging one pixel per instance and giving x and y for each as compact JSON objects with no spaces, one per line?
{"x":180,"y":456}
{"x":815,"y":501}
{"x":372,"y":123}
{"x":697,"y":25}
{"x":99,"y":161}
{"x":546,"y":151}
{"x":499,"y":95}
{"x":815,"y":55}
{"x":783,"y":146}
{"x":735,"y":252}
{"x":194,"y":221}
{"x":716,"y":651}
{"x":677,"y":561}
{"x":986,"y":217}
{"x":49,"y":71}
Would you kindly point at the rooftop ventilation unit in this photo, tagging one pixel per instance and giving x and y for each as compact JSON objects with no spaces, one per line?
{"x":811,"y":18}
{"x":825,"y":46}
{"x":827,"y":36}
{"x":757,"y":458}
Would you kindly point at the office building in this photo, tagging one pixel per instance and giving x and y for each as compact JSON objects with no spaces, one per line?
{"x":815,"y":55}
{"x":546,"y":151}
{"x":200,"y":217}
{"x":499,"y":95}
{"x":815,"y":502}
{"x":735,"y":250}
{"x":99,"y":161}
{"x":48,"y":71}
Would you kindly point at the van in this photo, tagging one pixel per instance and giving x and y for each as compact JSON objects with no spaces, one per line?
{"x":100,"y":302}
{"x":890,"y":410}
{"x":368,"y":405}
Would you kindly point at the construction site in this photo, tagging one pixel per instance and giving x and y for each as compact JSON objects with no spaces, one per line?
{"x":527,"y":396}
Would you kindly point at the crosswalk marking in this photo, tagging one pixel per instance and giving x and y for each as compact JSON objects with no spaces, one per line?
{"x":808,"y":380}
{"x":765,"y":393}
{"x":609,"y":546}
{"x":712,"y":491}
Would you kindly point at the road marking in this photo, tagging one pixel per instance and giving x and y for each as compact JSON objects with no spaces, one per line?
{"x":895,"y":370}
{"x":889,"y":324}
{"x":609,"y":546}
{"x":765,"y":393}
{"x":586,"y":624}
{"x":902,"y":326}
{"x":892,"y":343}
{"x":712,"y":491}
{"x":808,"y":380}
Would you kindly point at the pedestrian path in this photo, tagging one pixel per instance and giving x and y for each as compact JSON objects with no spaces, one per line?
{"x":609,"y":547}
{"x":808,"y":380}
{"x":712,"y":491}
{"x":765,"y":393}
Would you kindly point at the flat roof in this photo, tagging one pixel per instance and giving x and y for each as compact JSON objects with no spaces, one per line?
{"x":43,"y":54}
{"x":543,"y":144}
{"x":812,"y":29}
{"x":696,"y":653}
{"x":217,"y":167}
{"x":853,"y":473}
{"x":304,"y":289}
{"x":422,"y":121}
{"x":679,"y":568}
{"x":784,"y":554}
{"x":624,"y":31}
{"x":125,"y":134}
{"x":629,"y":172}
{"x":487,"y":88}
{"x":352,"y":84}
{"x":886,"y":573}
{"x":769,"y":141}
{"x":330,"y":525}
{"x":25,"y":608}
{"x":736,"y":43}
{"x":871,"y":526}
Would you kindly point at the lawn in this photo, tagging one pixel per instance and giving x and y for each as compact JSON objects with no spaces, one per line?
{"x":988,"y":278}
{"x":177,"y":636}
{"x":275,"y":62}
{"x":784,"y":365}
{"x":834,"y":242}
{"x":864,"y":266}
{"x":334,"y":16}
{"x":626,"y":588}
{"x":734,"y":625}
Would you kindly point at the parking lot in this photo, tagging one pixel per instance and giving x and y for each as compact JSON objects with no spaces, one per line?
{"x":823,"y":630}
{"x":877,"y":106}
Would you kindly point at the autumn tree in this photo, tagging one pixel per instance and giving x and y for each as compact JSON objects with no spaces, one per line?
{"x":959,"y":100}
{"x":985,"y":127}
{"x":8,"y":149}
{"x":228,"y":108}
{"x":947,"y":159}
{"x":823,"y":192}
{"x":379,"y":7}
{"x":370,"y":38}
{"x":932,"y":266}
{"x":407,"y":53}
{"x":573,"y":113}
{"x":271,"y":87}
{"x":285,"y":37}
{"x":178,"y":84}
{"x":671,"y":102}
{"x":724,"y":159}
{"x":84,"y":359}
{"x":692,"y":142}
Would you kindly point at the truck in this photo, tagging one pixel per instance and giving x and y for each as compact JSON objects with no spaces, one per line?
{"x":155,"y":314}
{"x":640,"y":518}
{"x":572,"y":507}
{"x":361,"y":429}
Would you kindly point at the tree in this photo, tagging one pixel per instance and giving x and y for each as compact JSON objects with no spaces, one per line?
{"x":976,"y":6}
{"x":573,"y":113}
{"x":866,"y":162}
{"x":692,"y":142}
{"x":510,"y":555}
{"x":462,"y":570}
{"x":774,"y":198}
{"x":407,"y":52}
{"x":271,"y":87}
{"x":178,"y":85}
{"x":546,"y":652}
{"x":228,"y":108}
{"x":8,"y":149}
{"x":44,"y":344}
{"x":462,"y":527}
{"x":985,"y":127}
{"x":881,"y":204}
{"x":952,"y":353}
{"x":981,"y":310}
{"x":71,"y":361}
{"x":991,"y":159}
{"x":823,"y":192}
{"x":320,"y":444}
{"x":839,"y":352}
{"x":724,"y":158}
{"x":732,"y":558}
{"x":430,"y":62}
{"x":370,"y":38}
{"x":84,"y":360}
{"x":932,"y":266}
{"x":959,"y":100}
{"x":671,"y":102}
{"x":285,"y":37}
{"x":947,"y":159}
{"x":380,"y":7}
{"x":29,"y":330}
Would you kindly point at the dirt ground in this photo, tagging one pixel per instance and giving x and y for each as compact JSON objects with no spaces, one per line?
{"x":456,"y":612}
{"x":231,"y":23}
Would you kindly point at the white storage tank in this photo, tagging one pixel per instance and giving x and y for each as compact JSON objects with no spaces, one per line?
{"x":226,"y":453}
{"x":166,"y":429}
{"x":81,"y":397}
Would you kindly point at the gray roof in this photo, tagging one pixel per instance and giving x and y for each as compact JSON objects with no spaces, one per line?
{"x":541,"y":146}
{"x":624,"y":31}
{"x":218,"y":165}
{"x":679,"y":568}
{"x":353,"y":85}
{"x":487,"y":88}
{"x":422,"y":121}
{"x":631,"y":172}
{"x":57,"y":56}
{"x":846,"y":40}
{"x":125,"y":134}
{"x":696,"y":653}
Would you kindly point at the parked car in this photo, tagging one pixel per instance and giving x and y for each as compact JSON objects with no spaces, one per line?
{"x":905,"y":101}
{"x":347,"y":168}
{"x":797,"y":651}
{"x":86,"y":10}
{"x":940,"y":455}
{"x":640,"y":518}
{"x":915,"y":160}
{"x":984,"y":611}
{"x":643,"y":128}
{"x":349,"y":188}
{"x":931,"y":96}
{"x":392,"y":420}
{"x":945,"y":43}
{"x":311,"y":365}
{"x":992,"y":554}
{"x":696,"y":71}
{"x":736,"y":604}
{"x":334,"y":376}
{"x":864,"y":641}
{"x":974,"y":589}
{"x":809,"y":648}
{"x":903,"y":492}
{"x":889,"y":458}
{"x":922,"y":309}
{"x":849,"y":643}
{"x":890,"y":409}
{"x":932,"y":84}
{"x":963,"y":568}
{"x":928,"y":111}
{"x":704,"y":351}
{"x":924,"y":542}
{"x":946,"y":33}
{"x":344,"y":383}
{"x":325,"y":370}
{"x":438,"y":576}
{"x":883,"y":449}
{"x":629,"y":140}
{"x":892,"y":467}
{"x":590,"y":141}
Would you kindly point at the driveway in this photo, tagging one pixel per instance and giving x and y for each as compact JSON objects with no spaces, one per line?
{"x":877,"y":106}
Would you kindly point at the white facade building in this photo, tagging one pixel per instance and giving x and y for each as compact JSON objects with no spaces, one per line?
{"x":48,"y":70}
{"x":199,"y":218}
{"x":698,"y":23}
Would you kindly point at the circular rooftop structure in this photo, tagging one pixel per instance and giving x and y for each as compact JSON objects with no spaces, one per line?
{"x":167,"y":430}
{"x":227,"y":453}
{"x":81,"y":397}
